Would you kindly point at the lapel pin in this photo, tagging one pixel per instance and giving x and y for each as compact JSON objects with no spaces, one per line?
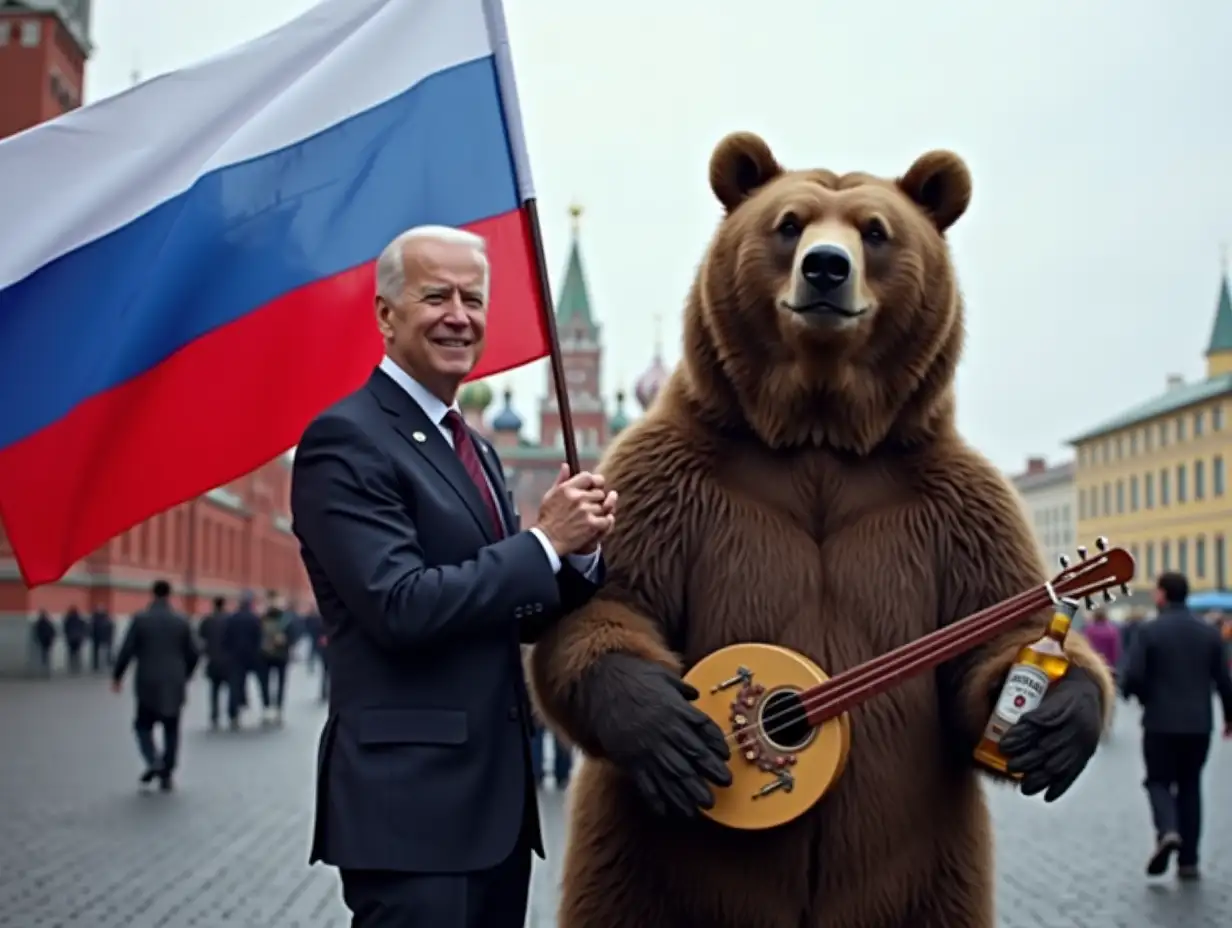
{"x":419,"y":436}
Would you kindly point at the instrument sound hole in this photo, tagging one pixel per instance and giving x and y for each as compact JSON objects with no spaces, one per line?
{"x":784,"y":723}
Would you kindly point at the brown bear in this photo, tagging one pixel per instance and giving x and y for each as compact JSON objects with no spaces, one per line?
{"x":800,"y":481}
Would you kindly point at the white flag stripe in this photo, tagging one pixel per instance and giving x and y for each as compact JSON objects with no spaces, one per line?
{"x":77,"y":178}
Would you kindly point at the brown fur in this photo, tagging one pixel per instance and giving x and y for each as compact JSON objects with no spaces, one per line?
{"x":809,"y":490}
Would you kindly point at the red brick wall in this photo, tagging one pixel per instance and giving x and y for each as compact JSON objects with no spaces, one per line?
{"x":41,"y":81}
{"x":204,"y":545}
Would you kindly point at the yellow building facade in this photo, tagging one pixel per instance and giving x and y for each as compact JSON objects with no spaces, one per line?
{"x":1154,"y":479}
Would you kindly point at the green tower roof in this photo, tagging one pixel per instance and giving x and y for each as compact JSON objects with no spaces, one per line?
{"x":1221,"y":331}
{"x":573,"y":302}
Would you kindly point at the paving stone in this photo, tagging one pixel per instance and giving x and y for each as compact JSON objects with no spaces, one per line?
{"x":81,"y":847}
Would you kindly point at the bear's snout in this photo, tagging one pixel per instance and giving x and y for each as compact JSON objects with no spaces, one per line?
{"x":826,"y":286}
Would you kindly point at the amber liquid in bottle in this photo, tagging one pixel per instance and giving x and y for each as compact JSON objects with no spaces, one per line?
{"x":1037,"y":667}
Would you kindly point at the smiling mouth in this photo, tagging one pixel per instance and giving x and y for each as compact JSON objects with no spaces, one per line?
{"x":821,"y":307}
{"x":452,"y":342}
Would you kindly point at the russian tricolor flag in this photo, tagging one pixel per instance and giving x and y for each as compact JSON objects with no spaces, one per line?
{"x":186,"y":269}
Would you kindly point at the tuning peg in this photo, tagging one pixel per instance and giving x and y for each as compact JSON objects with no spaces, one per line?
{"x":1109,"y":596}
{"x":1064,"y":561}
{"x":1082,"y":552}
{"x":1090,"y":603}
{"x":1124,"y":589}
{"x":1101,"y":543}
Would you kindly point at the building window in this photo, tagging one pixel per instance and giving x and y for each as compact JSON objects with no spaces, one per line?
{"x":1200,"y":556}
{"x":1133,"y":442}
{"x":1146,"y":439}
{"x":1119,"y":447}
{"x":1221,"y":564}
{"x":1163,"y":434}
{"x":31,"y":33}
{"x":1217,"y":419}
{"x":1082,"y":504}
{"x":1217,"y":475}
{"x":1133,"y":493}
{"x":1148,"y":487}
{"x":1120,"y":493}
{"x":1182,"y":484}
{"x":1182,"y":556}
{"x":1199,"y":480}
{"x":1133,"y":552}
{"x":1164,"y":486}
{"x":1107,"y":499}
{"x":1165,"y":555}
{"x":1199,"y":424}
{"x":1150,"y":560}
{"x":1180,"y":429}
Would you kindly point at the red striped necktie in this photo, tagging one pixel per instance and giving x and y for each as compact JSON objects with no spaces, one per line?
{"x":468,"y":454}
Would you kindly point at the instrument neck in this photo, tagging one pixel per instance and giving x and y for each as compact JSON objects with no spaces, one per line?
{"x":878,"y":670}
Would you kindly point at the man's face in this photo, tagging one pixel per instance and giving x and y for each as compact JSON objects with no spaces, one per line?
{"x":436,"y":328}
{"x":1159,"y":598}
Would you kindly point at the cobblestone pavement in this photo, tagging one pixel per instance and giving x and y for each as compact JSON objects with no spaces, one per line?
{"x":80,"y":847}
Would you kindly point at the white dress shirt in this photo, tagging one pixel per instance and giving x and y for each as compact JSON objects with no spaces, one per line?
{"x":435,"y":410}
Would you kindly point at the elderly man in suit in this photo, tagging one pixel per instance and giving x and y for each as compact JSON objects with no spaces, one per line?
{"x":161,"y":642}
{"x":425,"y":792}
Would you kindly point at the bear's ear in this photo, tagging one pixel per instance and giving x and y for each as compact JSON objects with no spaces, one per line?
{"x":940,"y":184}
{"x":741,"y":163}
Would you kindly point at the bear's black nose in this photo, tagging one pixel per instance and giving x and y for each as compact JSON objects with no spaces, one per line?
{"x":826,"y":267}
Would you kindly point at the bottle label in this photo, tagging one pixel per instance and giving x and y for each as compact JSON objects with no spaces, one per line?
{"x":1024,"y":690}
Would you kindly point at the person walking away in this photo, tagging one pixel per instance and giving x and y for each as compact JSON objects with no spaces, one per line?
{"x":427,"y":584}
{"x":1176,"y":661}
{"x":43,"y":638}
{"x":102,"y":634}
{"x":275,"y":655}
{"x":241,"y":641}
{"x":160,"y":641}
{"x":74,"y":638}
{"x":217,"y":662}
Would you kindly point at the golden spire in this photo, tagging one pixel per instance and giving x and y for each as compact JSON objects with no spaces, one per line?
{"x":575,"y":217}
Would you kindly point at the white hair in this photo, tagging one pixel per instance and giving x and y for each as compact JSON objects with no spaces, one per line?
{"x":391,"y":270}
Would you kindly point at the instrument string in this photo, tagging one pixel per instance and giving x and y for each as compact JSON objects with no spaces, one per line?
{"x":902,"y":661}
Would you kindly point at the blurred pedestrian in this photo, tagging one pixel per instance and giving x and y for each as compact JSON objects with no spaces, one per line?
{"x":160,"y":641}
{"x":1175,"y":663}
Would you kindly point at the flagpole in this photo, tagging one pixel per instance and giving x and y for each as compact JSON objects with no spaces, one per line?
{"x":498,"y":33}
{"x":549,"y":324}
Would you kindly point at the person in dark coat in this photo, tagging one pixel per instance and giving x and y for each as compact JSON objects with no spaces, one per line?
{"x":275,"y":656}
{"x":1176,"y":664}
{"x":241,"y":640}
{"x":160,"y":640}
{"x":217,"y":662}
{"x":75,"y":630}
{"x":43,"y":636}
{"x":102,"y":635}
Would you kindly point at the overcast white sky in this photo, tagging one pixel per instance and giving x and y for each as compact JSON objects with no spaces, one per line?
{"x":1099,"y":134}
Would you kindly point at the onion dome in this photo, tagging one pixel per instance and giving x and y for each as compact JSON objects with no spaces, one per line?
{"x":651,"y":382}
{"x":507,"y":420}
{"x":619,"y":421}
{"x":475,"y":397}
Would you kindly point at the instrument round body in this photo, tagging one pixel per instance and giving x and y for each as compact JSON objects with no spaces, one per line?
{"x":780,"y":765}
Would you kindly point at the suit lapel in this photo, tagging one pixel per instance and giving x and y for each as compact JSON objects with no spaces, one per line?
{"x":412,"y":423}
{"x":504,"y":502}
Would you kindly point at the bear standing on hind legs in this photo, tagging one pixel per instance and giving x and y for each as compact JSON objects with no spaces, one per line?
{"x":800,"y":481}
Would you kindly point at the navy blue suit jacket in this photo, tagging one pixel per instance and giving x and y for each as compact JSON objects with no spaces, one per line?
{"x":424,"y":762}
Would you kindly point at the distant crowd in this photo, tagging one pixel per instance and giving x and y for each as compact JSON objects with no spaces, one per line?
{"x":252,"y":642}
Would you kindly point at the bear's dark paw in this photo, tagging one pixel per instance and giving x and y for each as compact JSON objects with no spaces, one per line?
{"x":640,"y":718}
{"x":1051,"y":745}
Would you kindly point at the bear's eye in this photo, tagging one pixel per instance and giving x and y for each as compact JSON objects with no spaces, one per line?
{"x":875,"y":232}
{"x":789,"y":227}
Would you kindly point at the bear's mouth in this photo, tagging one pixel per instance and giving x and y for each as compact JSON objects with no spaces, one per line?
{"x":826,"y":308}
